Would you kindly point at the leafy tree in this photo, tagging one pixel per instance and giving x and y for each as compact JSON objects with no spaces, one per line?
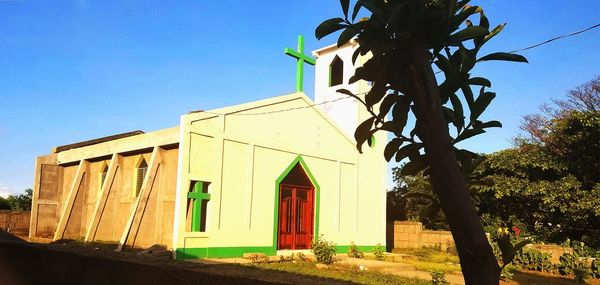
{"x":414,"y":198}
{"x":4,"y":205}
{"x":21,"y":202}
{"x":570,"y":130}
{"x":404,"y":39}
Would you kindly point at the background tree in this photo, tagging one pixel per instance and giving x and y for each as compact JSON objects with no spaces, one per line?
{"x":548,"y":193}
{"x":404,"y":39}
{"x":21,"y":202}
{"x":4,"y":205}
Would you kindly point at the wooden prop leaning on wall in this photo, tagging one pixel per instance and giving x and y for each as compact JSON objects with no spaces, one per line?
{"x":82,"y":170}
{"x":135,"y":218}
{"x":113,"y":166}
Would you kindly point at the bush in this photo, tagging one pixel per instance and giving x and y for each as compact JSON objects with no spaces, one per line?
{"x":378,"y":252}
{"x":353,"y":251}
{"x":581,"y":273}
{"x":323,"y":250}
{"x":438,"y":278}
{"x":533,"y":259}
{"x":505,"y":274}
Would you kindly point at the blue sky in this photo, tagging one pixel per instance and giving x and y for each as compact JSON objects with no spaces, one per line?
{"x":76,"y":70}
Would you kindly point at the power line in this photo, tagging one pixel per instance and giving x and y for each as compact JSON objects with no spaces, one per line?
{"x":556,"y":38}
{"x":342,"y":98}
{"x":286,"y":110}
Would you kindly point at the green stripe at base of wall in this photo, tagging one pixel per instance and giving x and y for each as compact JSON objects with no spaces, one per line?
{"x":230,"y":252}
{"x":221,"y":252}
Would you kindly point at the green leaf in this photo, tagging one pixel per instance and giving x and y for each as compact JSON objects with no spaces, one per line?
{"x":491,"y":124}
{"x":414,"y":166}
{"x":391,"y":148}
{"x":363,"y":132}
{"x":375,"y":94}
{"x":346,"y":36}
{"x":467,"y":34}
{"x":507,"y":249}
{"x":481,"y":103}
{"x":408,"y":150}
{"x":346,"y":92}
{"x":328,"y":27}
{"x":467,"y":134}
{"x":504,"y":56}
{"x":493,"y":33}
{"x":459,"y":120}
{"x":386,"y":105}
{"x":521,"y":244}
{"x":357,"y":7}
{"x":345,"y":4}
{"x":480,"y":81}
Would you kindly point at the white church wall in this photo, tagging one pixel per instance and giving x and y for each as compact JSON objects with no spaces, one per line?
{"x":243,"y":155}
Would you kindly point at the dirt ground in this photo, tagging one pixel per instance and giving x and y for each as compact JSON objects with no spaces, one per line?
{"x":78,"y":263}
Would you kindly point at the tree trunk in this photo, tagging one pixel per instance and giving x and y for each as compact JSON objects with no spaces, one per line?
{"x":477,"y":260}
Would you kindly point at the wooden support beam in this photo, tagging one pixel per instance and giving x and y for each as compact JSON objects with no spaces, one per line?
{"x":113,"y":166}
{"x":135,"y":218}
{"x":68,"y":205}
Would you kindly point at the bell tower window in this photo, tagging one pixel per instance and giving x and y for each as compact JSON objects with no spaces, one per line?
{"x":336,"y":71}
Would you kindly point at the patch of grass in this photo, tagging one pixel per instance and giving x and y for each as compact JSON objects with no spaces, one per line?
{"x":341,"y":272}
{"x":434,"y":266}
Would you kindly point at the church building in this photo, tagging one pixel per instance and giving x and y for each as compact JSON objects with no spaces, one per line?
{"x":260,"y":177}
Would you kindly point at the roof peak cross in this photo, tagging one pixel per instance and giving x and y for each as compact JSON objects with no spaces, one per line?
{"x":301,"y":59}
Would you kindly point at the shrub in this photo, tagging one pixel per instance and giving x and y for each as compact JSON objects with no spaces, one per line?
{"x":505,"y":274}
{"x":354,"y":252}
{"x":323,"y":250}
{"x":581,"y":273}
{"x":595,"y":268}
{"x":438,"y":278}
{"x":533,"y":259}
{"x":378,"y":252}
{"x":300,"y":256}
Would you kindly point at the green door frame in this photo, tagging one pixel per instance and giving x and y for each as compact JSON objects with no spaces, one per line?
{"x":297,"y":160}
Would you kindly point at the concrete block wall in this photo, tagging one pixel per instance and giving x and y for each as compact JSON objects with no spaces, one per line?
{"x":405,"y":234}
{"x":16,"y":222}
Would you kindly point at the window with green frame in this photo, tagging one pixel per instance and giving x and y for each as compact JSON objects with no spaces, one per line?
{"x":198,"y":198}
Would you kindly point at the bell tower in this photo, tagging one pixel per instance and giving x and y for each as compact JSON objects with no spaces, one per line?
{"x":333,"y":70}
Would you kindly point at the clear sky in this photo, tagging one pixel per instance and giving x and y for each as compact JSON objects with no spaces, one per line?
{"x":82,"y":69}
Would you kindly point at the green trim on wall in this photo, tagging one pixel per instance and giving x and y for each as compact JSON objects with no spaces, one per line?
{"x":221,"y":252}
{"x":312,"y":179}
{"x":230,"y":252}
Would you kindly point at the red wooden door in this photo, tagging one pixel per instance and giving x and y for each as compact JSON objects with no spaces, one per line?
{"x":295,"y":229}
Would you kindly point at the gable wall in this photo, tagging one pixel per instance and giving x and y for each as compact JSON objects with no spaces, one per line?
{"x":243,"y":155}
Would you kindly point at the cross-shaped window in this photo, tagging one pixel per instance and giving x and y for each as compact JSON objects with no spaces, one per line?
{"x":198,"y":198}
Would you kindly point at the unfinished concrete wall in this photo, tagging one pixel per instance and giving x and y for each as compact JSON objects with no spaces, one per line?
{"x":89,"y":192}
{"x":405,"y":234}
{"x":15,"y":222}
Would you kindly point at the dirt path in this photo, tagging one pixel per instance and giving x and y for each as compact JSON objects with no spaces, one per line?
{"x":400,"y":269}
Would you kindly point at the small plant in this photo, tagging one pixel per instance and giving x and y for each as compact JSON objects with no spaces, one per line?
{"x":438,"y":278}
{"x":323,"y":250}
{"x":354,"y":252}
{"x":300,"y":256}
{"x":507,"y":248}
{"x":581,"y":273}
{"x":257,"y":259}
{"x":595,"y":268}
{"x":378,"y":252}
{"x":505,"y":274}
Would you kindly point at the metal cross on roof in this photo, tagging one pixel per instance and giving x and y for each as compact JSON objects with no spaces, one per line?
{"x":301,"y":59}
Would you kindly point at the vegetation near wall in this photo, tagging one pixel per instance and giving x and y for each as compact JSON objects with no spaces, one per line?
{"x":548,"y":184}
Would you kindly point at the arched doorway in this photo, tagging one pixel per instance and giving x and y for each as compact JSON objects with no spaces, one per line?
{"x":296,"y":210}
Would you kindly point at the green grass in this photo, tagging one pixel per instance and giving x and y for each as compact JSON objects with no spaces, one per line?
{"x":430,"y":259}
{"x":341,"y":272}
